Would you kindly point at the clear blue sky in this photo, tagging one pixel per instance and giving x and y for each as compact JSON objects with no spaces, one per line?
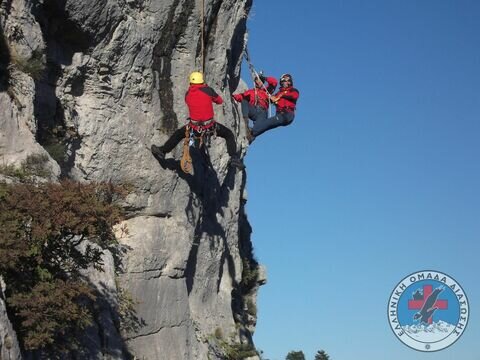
{"x":378,"y":176}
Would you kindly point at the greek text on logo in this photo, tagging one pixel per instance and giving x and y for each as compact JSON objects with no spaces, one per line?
{"x":428,"y":310}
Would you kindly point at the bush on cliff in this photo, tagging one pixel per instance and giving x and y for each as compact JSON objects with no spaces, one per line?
{"x":41,"y":228}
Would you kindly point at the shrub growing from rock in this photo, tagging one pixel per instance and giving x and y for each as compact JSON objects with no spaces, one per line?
{"x":41,"y":229}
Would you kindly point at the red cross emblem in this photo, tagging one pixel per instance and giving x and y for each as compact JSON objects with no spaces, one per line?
{"x":418,"y":304}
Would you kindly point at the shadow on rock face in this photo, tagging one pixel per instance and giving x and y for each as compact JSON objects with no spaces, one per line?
{"x":111,"y":317}
{"x":4,"y":61}
{"x":208,"y":195}
{"x":204,"y":183}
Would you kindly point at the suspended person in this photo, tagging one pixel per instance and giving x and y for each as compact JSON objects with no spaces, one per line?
{"x":200,"y":98}
{"x":255,"y":101}
{"x":285,"y":101}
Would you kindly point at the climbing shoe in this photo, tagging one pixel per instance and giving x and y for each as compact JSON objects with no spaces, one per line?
{"x":236,"y":163}
{"x":157,"y":152}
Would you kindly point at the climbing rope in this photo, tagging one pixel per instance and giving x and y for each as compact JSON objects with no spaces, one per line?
{"x":202,"y":34}
{"x":255,"y":75}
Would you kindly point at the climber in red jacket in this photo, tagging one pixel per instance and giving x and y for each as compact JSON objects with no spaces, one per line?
{"x":285,"y":101}
{"x":255,"y":101}
{"x":200,"y":98}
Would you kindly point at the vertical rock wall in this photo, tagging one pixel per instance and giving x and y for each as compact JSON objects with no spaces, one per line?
{"x":109,"y":80}
{"x":9,"y":349}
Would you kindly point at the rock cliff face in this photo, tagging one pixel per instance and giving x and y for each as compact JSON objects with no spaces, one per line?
{"x":9,"y":349}
{"x":92,"y":84}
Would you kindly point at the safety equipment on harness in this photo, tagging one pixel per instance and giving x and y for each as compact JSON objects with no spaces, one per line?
{"x":195,"y":137}
{"x":202,"y":124}
{"x":186,"y":160}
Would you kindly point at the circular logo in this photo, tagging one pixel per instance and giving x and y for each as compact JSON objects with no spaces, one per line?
{"x":428,"y":310}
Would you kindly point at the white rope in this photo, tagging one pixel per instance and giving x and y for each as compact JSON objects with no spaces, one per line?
{"x":255,"y":75}
{"x":202,"y":34}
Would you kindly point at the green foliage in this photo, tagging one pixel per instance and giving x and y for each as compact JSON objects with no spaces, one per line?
{"x":56,"y":141}
{"x":12,"y":171}
{"x":129,"y":321}
{"x":41,"y":228}
{"x":322,"y":355}
{"x":34,"y":165}
{"x":3,"y":190}
{"x":251,"y":307}
{"x":249,"y":275}
{"x":52,"y":311}
{"x":238,"y":351}
{"x":295,"y":355}
{"x":231,"y":349}
{"x":57,"y":150}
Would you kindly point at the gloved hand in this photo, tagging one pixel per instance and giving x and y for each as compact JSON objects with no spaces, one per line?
{"x":275,"y":99}
{"x":238,"y":97}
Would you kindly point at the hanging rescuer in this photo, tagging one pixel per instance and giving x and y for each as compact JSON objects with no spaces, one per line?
{"x":255,"y":101}
{"x":285,"y":101}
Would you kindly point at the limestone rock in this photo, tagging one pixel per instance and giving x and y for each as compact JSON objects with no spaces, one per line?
{"x":114,"y":84}
{"x":103,"y":336}
{"x":21,"y":47}
{"x":9,"y":349}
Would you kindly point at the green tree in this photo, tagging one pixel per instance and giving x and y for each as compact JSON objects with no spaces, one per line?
{"x":322,"y":355}
{"x":295,"y":355}
{"x":41,"y":229}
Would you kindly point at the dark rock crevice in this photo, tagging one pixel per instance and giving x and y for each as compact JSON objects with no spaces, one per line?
{"x":162,"y":57}
{"x":6,"y":5}
{"x":64,"y":38}
{"x":105,"y":329}
{"x":210,"y":25}
{"x":61,"y":140}
{"x":63,"y":35}
{"x":237,"y":49}
{"x":4,"y":62}
{"x":156,"y":331}
{"x":242,"y":302}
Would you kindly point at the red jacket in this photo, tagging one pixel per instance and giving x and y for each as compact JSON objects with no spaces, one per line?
{"x":200,"y":99}
{"x":288,"y":100}
{"x":258,"y":96}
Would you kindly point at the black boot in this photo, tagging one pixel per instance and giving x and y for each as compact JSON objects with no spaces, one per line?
{"x":157,"y":152}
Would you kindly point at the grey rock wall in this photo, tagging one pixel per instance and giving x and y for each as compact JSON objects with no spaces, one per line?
{"x":115,"y":74}
{"x":21,"y":42}
{"x":9,"y":349}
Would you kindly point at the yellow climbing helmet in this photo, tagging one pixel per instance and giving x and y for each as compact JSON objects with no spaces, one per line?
{"x":196,"y":78}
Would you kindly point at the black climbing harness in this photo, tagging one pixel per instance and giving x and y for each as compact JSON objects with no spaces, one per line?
{"x":199,"y":138}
